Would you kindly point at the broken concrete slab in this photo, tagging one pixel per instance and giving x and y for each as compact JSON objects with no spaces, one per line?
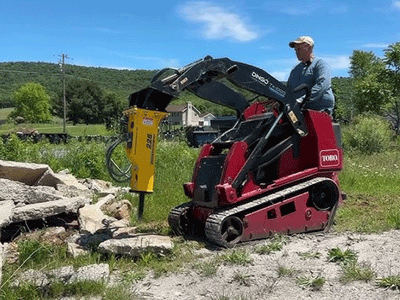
{"x":104,"y":200}
{"x":46,"y":209}
{"x":134,"y":246}
{"x":22,"y":194}
{"x":52,"y":179}
{"x":27,"y":173}
{"x":124,"y":232}
{"x":6,"y":212}
{"x":121,"y":210}
{"x":91,"y":219}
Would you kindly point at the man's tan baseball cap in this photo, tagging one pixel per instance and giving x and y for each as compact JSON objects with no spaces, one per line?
{"x":302,"y":39}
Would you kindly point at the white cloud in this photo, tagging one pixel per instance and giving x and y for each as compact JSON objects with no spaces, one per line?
{"x":219,"y":23}
{"x":375,"y":45}
{"x":396,"y":4}
{"x":339,"y":62}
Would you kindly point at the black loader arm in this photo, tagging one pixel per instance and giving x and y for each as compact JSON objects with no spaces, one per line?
{"x":201,"y":78}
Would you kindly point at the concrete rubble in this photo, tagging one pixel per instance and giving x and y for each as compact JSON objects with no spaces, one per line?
{"x":34,"y":192}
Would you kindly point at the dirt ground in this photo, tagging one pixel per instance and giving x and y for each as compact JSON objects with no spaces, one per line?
{"x":261,"y":279}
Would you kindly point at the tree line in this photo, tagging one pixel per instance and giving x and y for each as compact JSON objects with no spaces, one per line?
{"x":98,"y":95}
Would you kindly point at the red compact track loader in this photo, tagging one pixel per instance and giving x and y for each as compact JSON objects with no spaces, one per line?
{"x":275,"y":171}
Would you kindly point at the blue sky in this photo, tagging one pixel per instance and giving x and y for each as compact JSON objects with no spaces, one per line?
{"x":157,"y":34}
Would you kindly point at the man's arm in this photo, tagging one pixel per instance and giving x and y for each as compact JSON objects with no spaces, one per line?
{"x":322,"y":74}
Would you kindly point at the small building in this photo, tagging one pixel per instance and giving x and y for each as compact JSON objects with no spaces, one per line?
{"x":187,"y":115}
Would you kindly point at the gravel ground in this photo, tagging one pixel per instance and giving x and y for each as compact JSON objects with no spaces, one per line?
{"x":261,"y":278}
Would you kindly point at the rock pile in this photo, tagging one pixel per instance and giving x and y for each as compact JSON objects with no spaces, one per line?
{"x":34,"y":192}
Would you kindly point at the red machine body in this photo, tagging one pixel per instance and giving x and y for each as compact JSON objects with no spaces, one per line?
{"x":317,"y":155}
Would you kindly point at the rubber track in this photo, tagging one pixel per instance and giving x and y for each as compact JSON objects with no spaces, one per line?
{"x":175,"y":216}
{"x":215,"y":221}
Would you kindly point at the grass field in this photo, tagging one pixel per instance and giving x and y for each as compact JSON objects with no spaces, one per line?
{"x":4,"y":112}
{"x":75,"y":130}
{"x":55,"y":127}
{"x":372,"y":183}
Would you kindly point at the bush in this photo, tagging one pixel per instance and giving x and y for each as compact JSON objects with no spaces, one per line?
{"x":368,"y":134}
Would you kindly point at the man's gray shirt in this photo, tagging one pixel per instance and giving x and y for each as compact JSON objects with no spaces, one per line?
{"x":316,"y":75}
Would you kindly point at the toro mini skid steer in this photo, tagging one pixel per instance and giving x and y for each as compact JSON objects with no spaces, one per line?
{"x":275,"y":171}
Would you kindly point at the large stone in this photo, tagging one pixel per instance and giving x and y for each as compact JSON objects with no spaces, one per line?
{"x":22,"y":194}
{"x":52,"y":179}
{"x":121,"y":210}
{"x":27,"y":173}
{"x":76,"y":250}
{"x":91,"y":219}
{"x":6,"y":212}
{"x":134,"y":246}
{"x":46,"y":209}
{"x":79,"y":244}
{"x":34,"y":277}
{"x":96,"y":185}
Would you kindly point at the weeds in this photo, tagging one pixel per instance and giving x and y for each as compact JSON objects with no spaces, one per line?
{"x":310,"y":255}
{"x":236,"y":256}
{"x":315,"y":283}
{"x":343,"y":257}
{"x":57,"y":290}
{"x":276,"y":244}
{"x":354,"y":271}
{"x":284,"y":271}
{"x":390,"y":282}
{"x":242,"y":279}
{"x":207,"y":269}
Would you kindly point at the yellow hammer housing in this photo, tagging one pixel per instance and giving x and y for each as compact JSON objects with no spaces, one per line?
{"x":141,"y":148}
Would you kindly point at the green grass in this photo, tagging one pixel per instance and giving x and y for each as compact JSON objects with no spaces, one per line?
{"x":285,"y":271}
{"x":174,"y":167}
{"x":74,"y":130}
{"x":340,"y":256}
{"x":276,"y":244}
{"x":242,"y":279}
{"x":355,"y":271}
{"x":207,"y":268}
{"x":236,"y":257}
{"x":4,"y":112}
{"x":389,"y":282}
{"x":372,"y":185}
{"x":315,"y":283}
{"x":310,"y":255}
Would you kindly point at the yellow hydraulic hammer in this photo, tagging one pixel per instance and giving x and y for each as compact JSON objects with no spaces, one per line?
{"x":141,"y":149}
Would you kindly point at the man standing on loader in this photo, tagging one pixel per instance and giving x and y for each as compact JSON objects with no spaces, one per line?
{"x":314,"y":72}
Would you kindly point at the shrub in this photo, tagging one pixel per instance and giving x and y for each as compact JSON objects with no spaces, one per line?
{"x":368,"y":134}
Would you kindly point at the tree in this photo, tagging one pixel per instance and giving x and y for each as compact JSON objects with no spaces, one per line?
{"x":370,"y":93}
{"x":363,"y":63}
{"x":113,"y":110}
{"x":392,"y":78}
{"x":32,"y":103}
{"x":85,"y":102}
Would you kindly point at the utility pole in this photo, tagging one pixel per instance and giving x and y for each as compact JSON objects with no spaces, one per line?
{"x":62,"y":65}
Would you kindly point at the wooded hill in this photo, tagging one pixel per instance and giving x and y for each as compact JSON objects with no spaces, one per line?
{"x":123,"y":82}
{"x":14,"y":74}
